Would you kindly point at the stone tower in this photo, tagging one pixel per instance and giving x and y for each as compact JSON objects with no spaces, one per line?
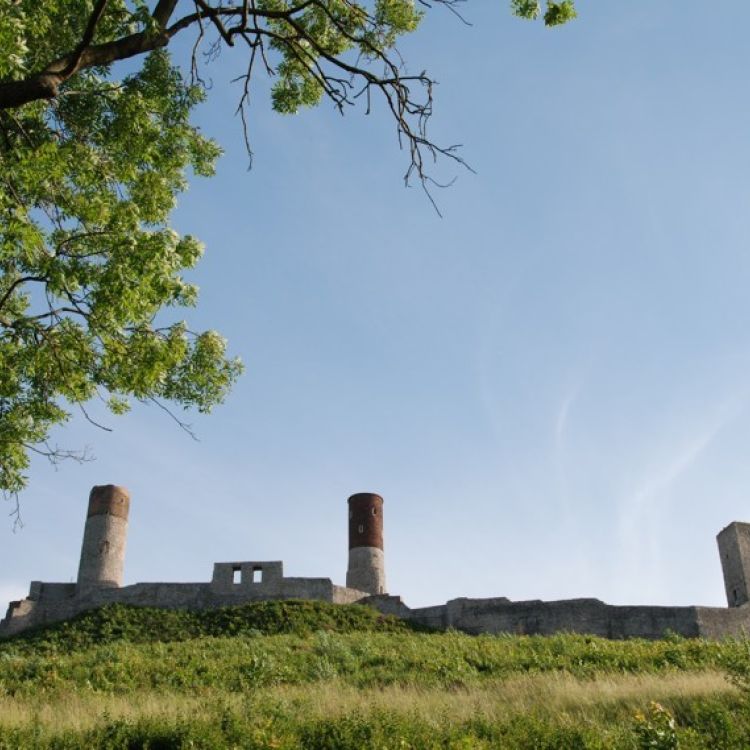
{"x":366,"y":570}
{"x":734,"y":550}
{"x":104,"y":537}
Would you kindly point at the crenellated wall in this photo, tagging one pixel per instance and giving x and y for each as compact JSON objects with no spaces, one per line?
{"x":232,"y":583}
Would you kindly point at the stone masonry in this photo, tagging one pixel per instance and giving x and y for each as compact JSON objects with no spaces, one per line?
{"x":103,"y":554}
{"x":734,"y":550}
{"x":366,"y":570}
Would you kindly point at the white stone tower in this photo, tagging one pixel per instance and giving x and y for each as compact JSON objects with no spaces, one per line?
{"x":366,"y":570}
{"x":734,"y":550}
{"x":104,"y":538}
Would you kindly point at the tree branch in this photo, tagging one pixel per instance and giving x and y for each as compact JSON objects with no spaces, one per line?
{"x":163,"y":12}
{"x":91,"y":420}
{"x":188,"y":428}
{"x":88,"y":36}
{"x":15,"y":513}
{"x":213,"y":14}
{"x":18,"y":283}
{"x":46,"y":83}
{"x":291,"y":32}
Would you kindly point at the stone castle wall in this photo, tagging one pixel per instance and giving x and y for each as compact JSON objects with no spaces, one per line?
{"x":232,"y":583}
{"x":52,"y":602}
{"x":584,"y":616}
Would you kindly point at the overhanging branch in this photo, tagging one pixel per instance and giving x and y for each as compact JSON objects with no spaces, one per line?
{"x":289,"y":30}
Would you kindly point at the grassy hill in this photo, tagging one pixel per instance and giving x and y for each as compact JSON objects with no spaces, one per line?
{"x":323,"y":677}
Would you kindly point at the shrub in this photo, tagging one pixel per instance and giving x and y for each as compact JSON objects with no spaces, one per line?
{"x":655,"y":729}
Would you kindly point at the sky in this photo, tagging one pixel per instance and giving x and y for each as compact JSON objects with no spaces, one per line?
{"x":548,"y":385}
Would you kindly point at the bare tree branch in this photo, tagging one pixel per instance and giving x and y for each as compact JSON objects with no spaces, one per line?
{"x":56,"y":455}
{"x":213,"y":14}
{"x":15,"y":512}
{"x":92,"y":421}
{"x":188,"y":428}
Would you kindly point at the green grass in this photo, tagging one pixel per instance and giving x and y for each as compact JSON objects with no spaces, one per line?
{"x":312,"y":675}
{"x":124,"y":623}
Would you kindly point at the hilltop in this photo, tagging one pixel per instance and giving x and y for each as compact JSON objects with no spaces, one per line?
{"x":322,"y":677}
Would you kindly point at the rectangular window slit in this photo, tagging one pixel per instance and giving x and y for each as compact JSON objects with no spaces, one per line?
{"x":236,"y":575}
{"x":257,"y":575}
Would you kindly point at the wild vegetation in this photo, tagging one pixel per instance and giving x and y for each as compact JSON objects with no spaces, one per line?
{"x":316,"y":676}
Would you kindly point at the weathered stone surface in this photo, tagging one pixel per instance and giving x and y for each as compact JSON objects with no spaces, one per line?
{"x":241,"y":576}
{"x":55,"y":602}
{"x":344,"y":595}
{"x":734,"y":551}
{"x":388,"y":605}
{"x":104,"y":537}
{"x":366,"y":570}
{"x":109,"y":499}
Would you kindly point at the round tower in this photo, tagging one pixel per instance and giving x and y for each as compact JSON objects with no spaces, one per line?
{"x":366,"y":570}
{"x":104,"y":537}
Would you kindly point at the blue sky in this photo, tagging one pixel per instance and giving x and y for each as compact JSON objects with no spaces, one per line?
{"x":549,"y":385}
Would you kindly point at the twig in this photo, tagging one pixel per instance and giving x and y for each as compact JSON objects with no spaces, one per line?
{"x":188,"y":428}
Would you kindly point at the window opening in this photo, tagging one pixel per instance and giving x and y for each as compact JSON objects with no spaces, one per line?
{"x":374,"y":511}
{"x":257,"y":575}
{"x":237,"y":575}
{"x":361,"y":529}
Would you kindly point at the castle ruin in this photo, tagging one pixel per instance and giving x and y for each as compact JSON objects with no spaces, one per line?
{"x":100,"y":579}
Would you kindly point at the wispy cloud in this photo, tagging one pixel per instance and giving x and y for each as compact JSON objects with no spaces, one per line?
{"x":561,"y":424}
{"x":569,"y":520}
{"x":562,"y":413}
{"x":641,"y":511}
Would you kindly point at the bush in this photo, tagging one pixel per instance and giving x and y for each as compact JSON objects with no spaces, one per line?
{"x":655,"y":729}
{"x":120,"y":622}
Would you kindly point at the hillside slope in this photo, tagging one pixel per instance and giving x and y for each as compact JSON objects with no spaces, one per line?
{"x":324,"y":677}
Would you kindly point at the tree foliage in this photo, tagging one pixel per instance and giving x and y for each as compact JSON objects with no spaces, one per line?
{"x":91,"y":164}
{"x":556,"y":13}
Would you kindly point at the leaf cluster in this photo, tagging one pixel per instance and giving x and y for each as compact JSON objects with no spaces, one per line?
{"x":556,"y":13}
{"x":88,"y":261}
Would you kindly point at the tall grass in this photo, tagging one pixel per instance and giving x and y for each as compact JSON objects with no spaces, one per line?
{"x":604,"y":696}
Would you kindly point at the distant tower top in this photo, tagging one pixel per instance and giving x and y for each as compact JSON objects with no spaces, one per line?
{"x":366,"y":571}
{"x":109,"y":499}
{"x":365,"y":520}
{"x":734,"y":550}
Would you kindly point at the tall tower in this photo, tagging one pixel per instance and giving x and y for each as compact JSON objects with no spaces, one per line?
{"x":734,"y":550}
{"x":104,"y":537}
{"x":366,"y":570}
